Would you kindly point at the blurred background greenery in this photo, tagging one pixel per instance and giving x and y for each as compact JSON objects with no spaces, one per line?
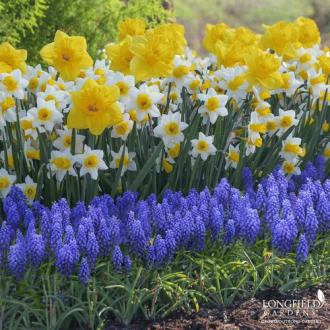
{"x":194,"y":14}
{"x":32,"y":23}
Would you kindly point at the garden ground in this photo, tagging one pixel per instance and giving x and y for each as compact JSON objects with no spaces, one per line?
{"x":244,"y":314}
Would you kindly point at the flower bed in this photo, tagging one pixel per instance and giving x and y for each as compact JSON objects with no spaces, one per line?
{"x":156,"y":179}
{"x":177,"y":123}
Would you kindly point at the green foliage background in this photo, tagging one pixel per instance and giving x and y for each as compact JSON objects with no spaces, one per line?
{"x":32,"y":24}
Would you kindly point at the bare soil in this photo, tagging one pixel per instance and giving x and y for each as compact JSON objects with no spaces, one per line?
{"x":254,"y":314}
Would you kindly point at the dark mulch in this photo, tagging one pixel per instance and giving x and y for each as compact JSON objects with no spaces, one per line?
{"x":247,"y":315}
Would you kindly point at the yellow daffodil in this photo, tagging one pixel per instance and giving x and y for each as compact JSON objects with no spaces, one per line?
{"x":153,"y":56}
{"x":309,"y":33}
{"x":215,"y":33}
{"x":282,"y":37}
{"x":246,"y":36}
{"x":263,"y":69}
{"x":94,"y":107}
{"x":120,"y":55}
{"x":131,"y":27}
{"x":68,"y":54}
{"x":11,"y":58}
{"x":324,"y":64}
{"x":174,"y":33}
{"x":230,"y":55}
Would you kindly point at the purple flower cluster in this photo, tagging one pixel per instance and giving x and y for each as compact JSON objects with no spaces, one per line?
{"x":291,"y":212}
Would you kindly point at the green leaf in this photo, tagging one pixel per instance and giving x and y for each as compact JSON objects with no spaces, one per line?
{"x":146,"y":168}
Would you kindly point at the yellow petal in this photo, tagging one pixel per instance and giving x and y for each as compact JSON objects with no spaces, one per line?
{"x":47,"y":53}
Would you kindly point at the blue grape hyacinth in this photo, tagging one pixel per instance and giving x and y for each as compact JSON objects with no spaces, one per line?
{"x":292,"y":213}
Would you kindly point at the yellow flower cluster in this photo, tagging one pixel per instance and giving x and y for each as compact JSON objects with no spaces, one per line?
{"x":146,"y":53}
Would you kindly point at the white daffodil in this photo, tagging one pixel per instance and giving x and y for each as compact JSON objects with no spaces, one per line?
{"x":250,"y":148}
{"x":45,"y":115}
{"x":122,"y":129}
{"x":61,"y":163}
{"x":290,"y":167}
{"x":174,"y":95}
{"x":91,"y":161}
{"x":52,"y":71}
{"x":307,"y":57}
{"x":271,"y":126}
{"x":27,"y":126}
{"x":124,"y":83}
{"x":143,"y":100}
{"x":291,"y":84}
{"x":214,"y":105}
{"x":193,"y":83}
{"x":262,"y":108}
{"x":140,"y":124}
{"x":99,"y":72}
{"x":233,"y":157}
{"x":202,"y":65}
{"x":31,"y":151}
{"x":170,"y":128}
{"x":255,"y":127}
{"x":326,"y":151}
{"x":13,"y":84}
{"x":291,"y":148}
{"x":64,"y":140}
{"x":127,"y":163}
{"x":316,"y":82}
{"x":61,"y":98}
{"x":65,"y":86}
{"x":233,"y":81}
{"x":181,"y":69}
{"x":164,"y":164}
{"x":10,"y":158}
{"x":7,"y":109}
{"x":173,"y":150}
{"x":32,"y":76}
{"x":203,"y":146}
{"x":45,"y":79}
{"x":6,"y":182}
{"x":29,"y":188}
{"x":285,"y":120}
{"x":252,"y":144}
